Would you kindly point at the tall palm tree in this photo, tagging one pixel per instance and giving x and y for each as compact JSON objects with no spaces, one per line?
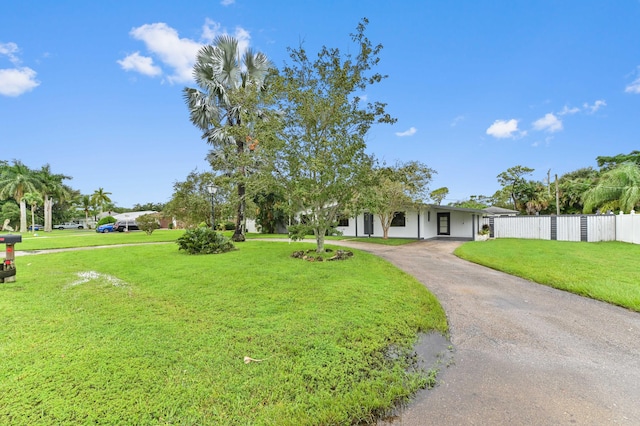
{"x":15,"y":181}
{"x":621,"y":185}
{"x":85,"y":203}
{"x":51,"y":187}
{"x":226,"y":82}
{"x":100,"y":198}
{"x":33,"y":199}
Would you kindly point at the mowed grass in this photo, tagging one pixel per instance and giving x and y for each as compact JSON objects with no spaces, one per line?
{"x":150,"y":335}
{"x":606,"y":271}
{"x":89,"y":238}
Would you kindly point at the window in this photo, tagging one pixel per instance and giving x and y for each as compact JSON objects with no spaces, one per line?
{"x":398,"y":219}
{"x":343,"y":221}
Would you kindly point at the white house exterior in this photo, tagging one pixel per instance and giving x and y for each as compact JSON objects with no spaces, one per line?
{"x":426,"y":222}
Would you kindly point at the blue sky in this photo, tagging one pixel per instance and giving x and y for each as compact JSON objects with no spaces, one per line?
{"x":94,"y":88}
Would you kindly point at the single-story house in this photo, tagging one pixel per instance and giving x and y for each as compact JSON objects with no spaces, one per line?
{"x":429,"y":221}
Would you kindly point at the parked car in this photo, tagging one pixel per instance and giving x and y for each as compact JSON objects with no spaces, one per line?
{"x":122,"y":226}
{"x":107,"y":227}
{"x":35,"y":227}
{"x":69,"y":225}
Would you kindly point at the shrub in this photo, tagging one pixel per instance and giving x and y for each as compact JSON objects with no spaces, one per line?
{"x":106,"y":219}
{"x":148,"y":223}
{"x":229,"y":226}
{"x":204,"y":240}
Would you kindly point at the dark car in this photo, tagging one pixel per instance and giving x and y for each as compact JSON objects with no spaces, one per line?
{"x":122,"y":226}
{"x":35,"y":227}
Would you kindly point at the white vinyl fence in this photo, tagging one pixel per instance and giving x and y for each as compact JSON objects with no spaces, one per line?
{"x":590,"y":228}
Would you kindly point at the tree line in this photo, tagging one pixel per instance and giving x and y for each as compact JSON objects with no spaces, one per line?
{"x":49,"y":199}
{"x":614,"y":187}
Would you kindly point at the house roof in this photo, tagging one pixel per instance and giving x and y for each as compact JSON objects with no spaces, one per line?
{"x":454,"y":209}
{"x":499,"y":210}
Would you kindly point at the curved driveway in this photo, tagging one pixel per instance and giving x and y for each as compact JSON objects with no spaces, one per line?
{"x":524,"y":354}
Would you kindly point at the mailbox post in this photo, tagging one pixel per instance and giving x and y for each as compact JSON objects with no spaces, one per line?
{"x":8,"y":267}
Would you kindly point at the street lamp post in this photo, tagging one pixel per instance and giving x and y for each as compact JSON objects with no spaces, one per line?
{"x":212,"y":189}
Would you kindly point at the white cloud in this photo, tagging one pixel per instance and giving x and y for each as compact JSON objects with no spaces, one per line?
{"x":549,"y":123}
{"x":172,"y":52}
{"x":595,"y":107}
{"x":502,"y":129}
{"x":569,"y":111}
{"x":8,"y":49}
{"x":227,"y":2}
{"x":177,"y":53}
{"x":457,"y":120}
{"x":634,"y":86}
{"x":142,"y":64}
{"x":18,"y":80}
{"x":210,"y":30}
{"x":412,"y":131}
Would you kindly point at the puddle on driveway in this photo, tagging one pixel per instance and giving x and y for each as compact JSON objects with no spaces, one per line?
{"x":434,"y":352}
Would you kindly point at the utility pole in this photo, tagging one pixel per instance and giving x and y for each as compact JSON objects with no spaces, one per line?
{"x":557,"y":198}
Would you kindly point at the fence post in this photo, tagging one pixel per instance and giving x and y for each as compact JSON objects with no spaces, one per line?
{"x":583,"y":229}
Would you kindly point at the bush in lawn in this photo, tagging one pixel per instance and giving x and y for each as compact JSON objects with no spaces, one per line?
{"x":148,"y":223}
{"x":106,"y":219}
{"x":204,"y":240}
{"x":229,"y":226}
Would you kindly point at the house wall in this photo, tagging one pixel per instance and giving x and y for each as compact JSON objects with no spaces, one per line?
{"x":418,"y":224}
{"x":410,"y":230}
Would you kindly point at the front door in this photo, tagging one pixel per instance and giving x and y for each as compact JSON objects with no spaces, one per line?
{"x":443,"y":223}
{"x":368,"y":224}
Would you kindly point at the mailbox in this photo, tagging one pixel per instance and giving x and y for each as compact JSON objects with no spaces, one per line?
{"x":8,"y":266}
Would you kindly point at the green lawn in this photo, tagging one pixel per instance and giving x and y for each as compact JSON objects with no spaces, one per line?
{"x":150,"y":335}
{"x":311,"y":238}
{"x":74,"y":238}
{"x":606,"y":271}
{"x":86,"y":238}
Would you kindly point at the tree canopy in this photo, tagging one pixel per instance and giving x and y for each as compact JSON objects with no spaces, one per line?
{"x":319,"y":153}
{"x":225,"y":108}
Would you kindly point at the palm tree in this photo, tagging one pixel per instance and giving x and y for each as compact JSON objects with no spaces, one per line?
{"x":32,"y":199}
{"x":15,"y":181}
{"x":51,"y":187}
{"x":100,"y":198}
{"x":621,"y":185}
{"x":227,"y":81}
{"x":85,"y":203}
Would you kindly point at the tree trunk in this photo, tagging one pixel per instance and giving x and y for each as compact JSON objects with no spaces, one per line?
{"x":320,"y":240}
{"x":48,"y":202}
{"x":238,"y":235}
{"x":23,"y":216}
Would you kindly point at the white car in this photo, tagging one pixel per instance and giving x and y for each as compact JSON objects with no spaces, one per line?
{"x":69,"y":225}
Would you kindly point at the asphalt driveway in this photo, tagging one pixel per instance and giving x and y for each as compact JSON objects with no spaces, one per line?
{"x":524,"y":354}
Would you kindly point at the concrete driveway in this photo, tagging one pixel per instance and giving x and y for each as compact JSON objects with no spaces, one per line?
{"x":524,"y":354}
